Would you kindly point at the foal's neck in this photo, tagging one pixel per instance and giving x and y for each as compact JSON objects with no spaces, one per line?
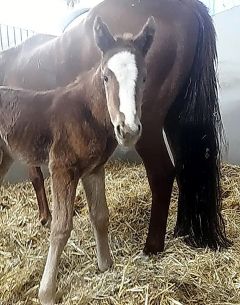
{"x":90,"y":89}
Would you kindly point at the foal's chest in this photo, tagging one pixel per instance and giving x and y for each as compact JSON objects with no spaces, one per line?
{"x":87,"y":144}
{"x":96,"y":152}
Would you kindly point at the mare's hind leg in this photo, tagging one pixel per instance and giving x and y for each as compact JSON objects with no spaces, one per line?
{"x":36,"y":177}
{"x":160,"y":173}
{"x":172,"y":130}
{"x":5,"y":163}
{"x":94,"y":186}
{"x":64,"y":183}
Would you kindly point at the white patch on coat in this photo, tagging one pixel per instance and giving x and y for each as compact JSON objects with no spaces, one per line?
{"x":124,"y":67}
{"x":168,"y":147}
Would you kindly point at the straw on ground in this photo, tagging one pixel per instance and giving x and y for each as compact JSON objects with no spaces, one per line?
{"x":180,"y":275}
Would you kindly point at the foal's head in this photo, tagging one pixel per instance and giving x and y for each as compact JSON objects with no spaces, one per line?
{"x":123,"y":71}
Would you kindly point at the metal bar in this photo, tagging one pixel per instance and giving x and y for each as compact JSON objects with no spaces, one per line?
{"x":21,"y":37}
{"x":8,"y":37}
{"x":1,"y":37}
{"x":14,"y":35}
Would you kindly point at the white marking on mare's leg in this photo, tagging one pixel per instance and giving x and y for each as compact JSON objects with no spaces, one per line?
{"x":168,"y":147}
{"x":124,"y":67}
{"x":94,"y":186}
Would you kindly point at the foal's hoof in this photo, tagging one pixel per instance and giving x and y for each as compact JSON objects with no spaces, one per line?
{"x":45,"y":299}
{"x":46,"y":221}
{"x":105,"y":264}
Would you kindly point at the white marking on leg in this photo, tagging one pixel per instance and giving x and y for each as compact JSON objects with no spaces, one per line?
{"x":168,"y":147}
{"x":124,"y":67}
{"x":48,"y":283}
{"x":63,"y":192}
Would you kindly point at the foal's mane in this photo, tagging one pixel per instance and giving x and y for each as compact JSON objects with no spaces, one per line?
{"x":123,"y":42}
{"x":91,"y":76}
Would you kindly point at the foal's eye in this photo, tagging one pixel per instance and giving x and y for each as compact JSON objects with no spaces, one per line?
{"x":105,"y":78}
{"x":144,"y":80}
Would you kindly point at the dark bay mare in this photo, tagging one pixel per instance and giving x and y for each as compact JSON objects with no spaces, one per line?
{"x":74,"y":129}
{"x":180,"y":95}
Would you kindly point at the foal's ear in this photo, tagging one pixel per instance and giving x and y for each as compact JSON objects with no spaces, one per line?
{"x":143,"y":40}
{"x":102,"y":35}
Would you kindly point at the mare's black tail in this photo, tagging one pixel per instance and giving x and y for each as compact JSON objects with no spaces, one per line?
{"x":194,"y":129}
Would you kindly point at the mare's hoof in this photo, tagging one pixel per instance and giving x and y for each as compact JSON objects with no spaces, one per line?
{"x":153,"y":248}
{"x":142,"y":256}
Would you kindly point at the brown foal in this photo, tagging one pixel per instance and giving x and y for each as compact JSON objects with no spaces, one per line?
{"x":74,"y":129}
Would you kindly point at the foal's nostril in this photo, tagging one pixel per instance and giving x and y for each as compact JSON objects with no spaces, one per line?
{"x":119,"y":130}
{"x":139,"y":128}
{"x":125,"y":132}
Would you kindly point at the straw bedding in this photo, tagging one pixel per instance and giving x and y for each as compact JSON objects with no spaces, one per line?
{"x":180,"y":275}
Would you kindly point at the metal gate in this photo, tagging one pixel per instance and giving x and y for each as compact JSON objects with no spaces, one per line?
{"x":11,"y":36}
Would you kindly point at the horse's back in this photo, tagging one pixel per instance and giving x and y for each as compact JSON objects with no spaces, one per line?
{"x":8,"y":56}
{"x":24,"y":122}
{"x":16,"y":62}
{"x":9,"y":111}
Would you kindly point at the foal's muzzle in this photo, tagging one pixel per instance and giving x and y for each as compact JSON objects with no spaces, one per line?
{"x":128,"y":136}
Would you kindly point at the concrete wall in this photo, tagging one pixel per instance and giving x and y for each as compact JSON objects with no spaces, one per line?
{"x":228,"y":33}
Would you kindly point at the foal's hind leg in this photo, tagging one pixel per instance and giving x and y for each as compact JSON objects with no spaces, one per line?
{"x":160,"y":173}
{"x":94,"y":186}
{"x":36,"y":177}
{"x":64,"y":183}
{"x":5,"y":163}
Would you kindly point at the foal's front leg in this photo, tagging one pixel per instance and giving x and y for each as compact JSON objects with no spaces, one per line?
{"x":94,"y":186}
{"x":64,"y":183}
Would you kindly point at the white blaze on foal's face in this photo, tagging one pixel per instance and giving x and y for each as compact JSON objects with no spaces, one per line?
{"x":123,"y":66}
{"x":124,"y":96}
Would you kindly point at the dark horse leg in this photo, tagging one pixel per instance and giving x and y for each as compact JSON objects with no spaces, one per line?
{"x":36,"y":177}
{"x":160,"y":173}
